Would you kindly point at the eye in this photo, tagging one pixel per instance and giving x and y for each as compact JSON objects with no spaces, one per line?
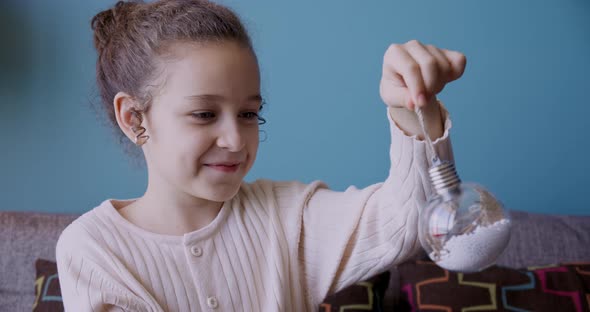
{"x":203,"y":115}
{"x":250,"y":115}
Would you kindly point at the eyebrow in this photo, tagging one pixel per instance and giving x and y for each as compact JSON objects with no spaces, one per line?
{"x":212,"y":98}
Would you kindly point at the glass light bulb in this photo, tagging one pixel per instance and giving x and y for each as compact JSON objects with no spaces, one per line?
{"x":462,"y":227}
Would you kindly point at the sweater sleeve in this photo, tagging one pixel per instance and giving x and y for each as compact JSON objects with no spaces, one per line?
{"x":85,"y":284}
{"x":349,"y":236}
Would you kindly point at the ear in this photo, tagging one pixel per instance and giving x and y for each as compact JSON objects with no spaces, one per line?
{"x":124,"y":104}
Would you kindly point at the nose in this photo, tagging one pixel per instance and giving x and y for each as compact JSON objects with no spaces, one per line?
{"x":231,"y":137}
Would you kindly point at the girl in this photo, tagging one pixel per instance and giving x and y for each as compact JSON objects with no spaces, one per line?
{"x":180,"y":79}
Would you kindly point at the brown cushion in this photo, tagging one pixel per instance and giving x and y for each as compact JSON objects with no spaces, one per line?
{"x":362,"y":296}
{"x":47,"y":290}
{"x":428,"y":287}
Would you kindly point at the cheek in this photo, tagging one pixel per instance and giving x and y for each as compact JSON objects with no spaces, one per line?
{"x":187,"y":158}
{"x":184,"y":146}
{"x":194,"y":146}
{"x":254,"y":141}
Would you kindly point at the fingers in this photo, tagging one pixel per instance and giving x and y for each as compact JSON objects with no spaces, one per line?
{"x":444,"y":66}
{"x":412,"y":69}
{"x":400,"y":65}
{"x":391,"y":92}
{"x":458,"y":62}
{"x":429,"y":69}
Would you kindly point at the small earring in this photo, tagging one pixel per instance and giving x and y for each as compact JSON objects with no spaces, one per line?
{"x":265,"y":136}
{"x":140,"y":138}
{"x":138,"y":130}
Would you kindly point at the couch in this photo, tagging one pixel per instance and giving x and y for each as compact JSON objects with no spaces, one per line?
{"x":537,"y":239}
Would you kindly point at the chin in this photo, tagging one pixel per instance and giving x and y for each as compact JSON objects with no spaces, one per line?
{"x":221,"y":194}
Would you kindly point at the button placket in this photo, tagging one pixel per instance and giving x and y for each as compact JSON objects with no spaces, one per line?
{"x":200,"y":270}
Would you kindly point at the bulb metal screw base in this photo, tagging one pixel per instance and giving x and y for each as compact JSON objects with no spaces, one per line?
{"x":444,"y":177}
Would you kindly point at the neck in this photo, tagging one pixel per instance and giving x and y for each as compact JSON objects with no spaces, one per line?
{"x":170,"y":211}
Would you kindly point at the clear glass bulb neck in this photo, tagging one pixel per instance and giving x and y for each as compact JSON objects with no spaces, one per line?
{"x":444,"y":177}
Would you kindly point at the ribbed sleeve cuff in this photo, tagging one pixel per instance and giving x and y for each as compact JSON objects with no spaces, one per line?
{"x":405,"y":148}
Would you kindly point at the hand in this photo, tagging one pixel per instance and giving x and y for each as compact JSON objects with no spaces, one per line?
{"x":413,"y":74}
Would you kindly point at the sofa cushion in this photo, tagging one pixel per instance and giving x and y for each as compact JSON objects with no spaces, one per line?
{"x":366,"y":295}
{"x":560,"y":287}
{"x":538,"y":239}
{"x":25,"y":237}
{"x":47,"y":288}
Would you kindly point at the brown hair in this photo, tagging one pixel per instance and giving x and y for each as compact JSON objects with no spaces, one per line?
{"x":129,"y":36}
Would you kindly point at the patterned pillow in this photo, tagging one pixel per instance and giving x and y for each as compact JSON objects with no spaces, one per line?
{"x":362,"y":296}
{"x":427,"y":287}
{"x":47,"y":290}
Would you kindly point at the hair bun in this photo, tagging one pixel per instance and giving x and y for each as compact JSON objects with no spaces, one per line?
{"x":108,"y":23}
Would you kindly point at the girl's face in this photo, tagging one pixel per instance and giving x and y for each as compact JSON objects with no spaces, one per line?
{"x":203,"y":124}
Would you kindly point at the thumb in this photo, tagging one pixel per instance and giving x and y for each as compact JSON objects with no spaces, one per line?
{"x":396,"y":96}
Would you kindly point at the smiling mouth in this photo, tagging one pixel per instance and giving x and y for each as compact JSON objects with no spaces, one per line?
{"x":224,"y":168}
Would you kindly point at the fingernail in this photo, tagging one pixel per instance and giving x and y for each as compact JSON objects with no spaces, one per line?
{"x":411,"y":106}
{"x":421,"y":101}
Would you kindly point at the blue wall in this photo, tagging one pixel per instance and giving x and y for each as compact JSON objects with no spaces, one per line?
{"x":520,"y":110}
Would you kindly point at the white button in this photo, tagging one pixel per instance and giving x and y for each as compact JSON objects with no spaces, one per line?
{"x":212,"y":302}
{"x":196,"y":251}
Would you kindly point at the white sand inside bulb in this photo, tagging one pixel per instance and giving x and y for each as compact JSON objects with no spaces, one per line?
{"x":476,"y":250}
